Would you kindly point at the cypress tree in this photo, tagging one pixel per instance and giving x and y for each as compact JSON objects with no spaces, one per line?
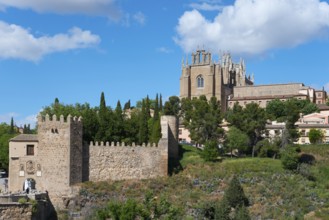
{"x":143,"y":124}
{"x":118,"y":129}
{"x":148,"y":107}
{"x":235,"y":195}
{"x":156,"y":108}
{"x":127,"y":105}
{"x":102,"y":132}
{"x":155,"y":127}
{"x":160,"y":104}
{"x":12,"y":129}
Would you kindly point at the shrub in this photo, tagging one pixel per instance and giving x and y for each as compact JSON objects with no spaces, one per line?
{"x":22,"y":200}
{"x":210,"y":151}
{"x":242,"y":213}
{"x":290,"y":158}
{"x":305,"y":170}
{"x":223,"y":210}
{"x":235,"y":195}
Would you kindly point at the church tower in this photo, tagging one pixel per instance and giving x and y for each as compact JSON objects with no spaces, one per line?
{"x":205,"y":77}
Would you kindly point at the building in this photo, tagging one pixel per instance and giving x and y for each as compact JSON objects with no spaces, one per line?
{"x":56,"y":159}
{"x":318,"y":121}
{"x":205,"y":77}
{"x":321,"y":97}
{"x":228,"y":82}
{"x":263,"y":94}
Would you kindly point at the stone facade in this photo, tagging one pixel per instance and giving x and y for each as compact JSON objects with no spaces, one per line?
{"x":56,"y":159}
{"x":55,"y":163}
{"x":263,"y":94}
{"x":205,"y":77}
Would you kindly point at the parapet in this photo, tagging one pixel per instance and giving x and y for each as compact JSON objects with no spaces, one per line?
{"x":118,"y":144}
{"x":61,"y":119}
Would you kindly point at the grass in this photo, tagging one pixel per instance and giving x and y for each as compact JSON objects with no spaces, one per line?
{"x":274,"y":193}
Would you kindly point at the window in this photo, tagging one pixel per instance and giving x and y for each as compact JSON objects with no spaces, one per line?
{"x":180,"y":131}
{"x":200,"y":81}
{"x":30,"y":150}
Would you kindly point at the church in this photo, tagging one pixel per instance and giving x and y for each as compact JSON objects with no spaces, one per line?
{"x":229,"y":83}
{"x":205,"y":77}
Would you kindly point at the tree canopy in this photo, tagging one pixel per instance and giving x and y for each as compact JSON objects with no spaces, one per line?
{"x":202,"y":119}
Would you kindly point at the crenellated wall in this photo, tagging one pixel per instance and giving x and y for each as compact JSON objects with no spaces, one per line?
{"x":56,"y":163}
{"x":118,"y":162}
{"x":60,"y":160}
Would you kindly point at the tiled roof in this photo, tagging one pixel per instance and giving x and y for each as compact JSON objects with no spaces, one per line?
{"x":25,"y":138}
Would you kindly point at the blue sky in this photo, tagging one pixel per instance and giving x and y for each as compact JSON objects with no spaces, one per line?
{"x":74,"y":50}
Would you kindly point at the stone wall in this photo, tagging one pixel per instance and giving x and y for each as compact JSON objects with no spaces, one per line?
{"x":15,"y":211}
{"x":268,"y":90}
{"x":118,"y":162}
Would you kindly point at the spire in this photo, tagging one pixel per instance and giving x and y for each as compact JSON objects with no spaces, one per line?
{"x":183,"y":62}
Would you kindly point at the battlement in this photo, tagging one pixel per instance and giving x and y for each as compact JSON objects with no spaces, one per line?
{"x":118,"y":144}
{"x":61,"y":119}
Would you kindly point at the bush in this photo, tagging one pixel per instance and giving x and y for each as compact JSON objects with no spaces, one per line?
{"x":242,"y":213}
{"x":235,"y":195}
{"x":305,"y":170}
{"x":290,"y":158}
{"x":210,"y":151}
{"x":22,"y":200}
{"x":267,"y":149}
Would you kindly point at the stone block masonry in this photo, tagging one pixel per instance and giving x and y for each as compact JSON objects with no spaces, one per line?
{"x":59,"y":161}
{"x":119,"y":162}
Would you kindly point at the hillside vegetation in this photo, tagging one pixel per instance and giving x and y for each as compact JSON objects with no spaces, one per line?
{"x":273,"y":192}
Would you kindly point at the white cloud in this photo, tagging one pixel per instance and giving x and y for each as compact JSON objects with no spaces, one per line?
{"x":90,"y":7}
{"x":18,"y":43}
{"x":164,"y":50}
{"x":254,"y":26}
{"x":206,"y":6}
{"x":139,"y":17}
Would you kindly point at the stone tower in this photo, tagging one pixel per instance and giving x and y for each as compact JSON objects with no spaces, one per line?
{"x":205,"y":77}
{"x":52,"y":158}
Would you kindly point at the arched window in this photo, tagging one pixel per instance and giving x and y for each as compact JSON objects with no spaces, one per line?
{"x":200,"y":81}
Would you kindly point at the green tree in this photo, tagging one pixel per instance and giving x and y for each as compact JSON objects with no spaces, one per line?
{"x":237,"y":139}
{"x":131,"y":127}
{"x":160,"y":104}
{"x":250,"y":120}
{"x":172,"y":106}
{"x":127,"y":105}
{"x":143,"y":124}
{"x":275,"y":110}
{"x":5,"y":135}
{"x":12,"y":127}
{"x":210,"y":151}
{"x":118,"y":124}
{"x":316,"y":135}
{"x":235,"y":195}
{"x":155,"y":124}
{"x":265,"y":148}
{"x":309,"y":108}
{"x":289,"y":158}
{"x":202,"y":119}
{"x":105,"y":121}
